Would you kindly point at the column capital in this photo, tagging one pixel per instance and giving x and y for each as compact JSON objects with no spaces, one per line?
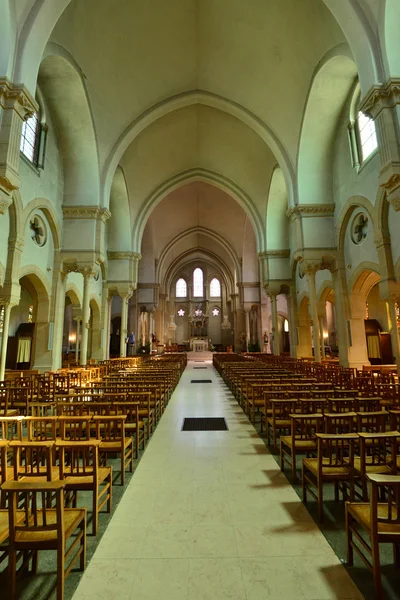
{"x":86,"y":212}
{"x":310,"y":267}
{"x":381,"y":96}
{"x":16,"y":96}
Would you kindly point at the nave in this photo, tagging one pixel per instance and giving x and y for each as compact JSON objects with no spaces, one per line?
{"x":209,"y":515}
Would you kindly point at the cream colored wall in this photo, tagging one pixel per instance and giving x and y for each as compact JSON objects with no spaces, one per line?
{"x":354,"y":254}
{"x":4,"y":233}
{"x":46,"y":183}
{"x":36,"y":257}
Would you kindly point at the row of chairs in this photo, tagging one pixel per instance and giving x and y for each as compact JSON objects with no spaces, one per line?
{"x":351,"y":442}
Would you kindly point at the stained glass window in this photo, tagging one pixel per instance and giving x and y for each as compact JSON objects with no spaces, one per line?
{"x":215,"y":288}
{"x":181,"y":288}
{"x":198,"y":283}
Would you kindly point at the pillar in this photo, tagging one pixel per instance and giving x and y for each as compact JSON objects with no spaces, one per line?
{"x":59,"y":313}
{"x":78,"y":333}
{"x":124,"y":325}
{"x":4,"y":339}
{"x":291,"y":303}
{"x":275,"y":328}
{"x":312,"y":293}
{"x":85,"y":317}
{"x":338,"y":279}
{"x":107,"y":328}
{"x":247,"y":321}
{"x":394,"y":332}
{"x":16,"y":105}
{"x":321,"y":335}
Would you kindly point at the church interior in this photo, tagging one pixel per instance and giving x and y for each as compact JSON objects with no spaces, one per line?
{"x":200,"y":299}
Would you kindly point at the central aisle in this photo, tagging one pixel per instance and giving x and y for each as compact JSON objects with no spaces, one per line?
{"x":209,"y":516}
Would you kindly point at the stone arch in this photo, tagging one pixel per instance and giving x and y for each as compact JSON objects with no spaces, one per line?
{"x":389,"y":29}
{"x":63,"y":87}
{"x":364,"y":278}
{"x":202,"y":230}
{"x":184,"y":100}
{"x":74,"y":294}
{"x":44,"y":14}
{"x":346,"y":212}
{"x":330,"y":86}
{"x":119,"y":226}
{"x":38,"y":279}
{"x":48,"y":209}
{"x":277,"y":226}
{"x":197,"y":174}
{"x":325,"y":294}
{"x":94,"y":342}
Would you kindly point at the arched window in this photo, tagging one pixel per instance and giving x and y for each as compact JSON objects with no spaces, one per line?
{"x":34,"y":137}
{"x":198,"y":283}
{"x":30,"y":138}
{"x":362,"y":132}
{"x":181,"y":288}
{"x":215,"y":288}
{"x":367,"y":135}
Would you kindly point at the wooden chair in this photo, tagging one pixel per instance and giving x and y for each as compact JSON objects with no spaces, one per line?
{"x":340,"y":422}
{"x":44,"y":528}
{"x":340,"y":405}
{"x":133,"y":425}
{"x":280,"y":419}
{"x":80,"y":471}
{"x":301,"y":440}
{"x":111,"y":431}
{"x":380,"y":521}
{"x":146,"y":412}
{"x":42,"y":428}
{"x":33,"y":459}
{"x":334,"y":464}
{"x":11,"y":428}
{"x":75,"y":428}
{"x":3,"y":468}
{"x":378,"y":455}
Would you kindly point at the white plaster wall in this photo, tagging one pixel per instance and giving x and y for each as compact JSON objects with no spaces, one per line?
{"x":40,"y":257}
{"x":322,"y":276}
{"x":318,"y":232}
{"x":4,"y":234}
{"x":346,"y":181}
{"x":46,"y":183}
{"x":77,"y":280}
{"x":355,"y":254}
{"x":394,"y":229}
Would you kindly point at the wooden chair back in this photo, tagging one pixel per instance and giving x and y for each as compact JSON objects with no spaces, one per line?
{"x":381,"y":485}
{"x":42,"y":428}
{"x":305,"y":426}
{"x":340,"y":405}
{"x":335,"y":450}
{"x":76,"y":428}
{"x":110,"y":428}
{"x":79,"y":459}
{"x":11,"y":428}
{"x":372,"y":422}
{"x":32,"y":459}
{"x":340,"y":422}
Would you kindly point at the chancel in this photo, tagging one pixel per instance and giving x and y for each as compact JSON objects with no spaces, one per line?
{"x":207,"y":184}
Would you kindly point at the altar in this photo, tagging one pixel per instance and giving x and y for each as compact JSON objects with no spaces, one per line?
{"x":198,"y":345}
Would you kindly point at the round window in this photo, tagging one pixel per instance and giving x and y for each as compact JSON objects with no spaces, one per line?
{"x":38,"y":230}
{"x":359,"y":228}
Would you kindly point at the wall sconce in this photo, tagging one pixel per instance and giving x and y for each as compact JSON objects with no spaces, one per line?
{"x":326,"y":335}
{"x":72,"y":338}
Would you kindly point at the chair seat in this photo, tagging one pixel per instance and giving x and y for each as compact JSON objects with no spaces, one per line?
{"x":377,"y":469}
{"x":361,"y":511}
{"x":72,"y":518}
{"x":280,"y":423}
{"x":76,"y":481}
{"x":4,"y":523}
{"x":114,"y":446}
{"x":328,"y":472}
{"x":299,"y":444}
{"x":133,"y":425}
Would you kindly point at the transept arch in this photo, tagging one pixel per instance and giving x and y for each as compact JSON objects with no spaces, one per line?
{"x":119,"y":225}
{"x":192,"y":175}
{"x":331,"y":84}
{"x":63,"y":87}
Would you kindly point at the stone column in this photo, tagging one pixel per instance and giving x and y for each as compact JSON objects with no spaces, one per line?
{"x":382,"y":103}
{"x":321,"y":335}
{"x":87,"y":278}
{"x":59,"y":313}
{"x":275,"y":327}
{"x":78,"y":333}
{"x":310,"y":271}
{"x":4,"y":339}
{"x":292,"y":318}
{"x":394,"y":332}
{"x":124,"y":325}
{"x":341,"y":313}
{"x":247,"y":321}
{"x":16,"y":105}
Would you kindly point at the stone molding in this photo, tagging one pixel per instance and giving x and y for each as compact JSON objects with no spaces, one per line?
{"x":86,"y":212}
{"x":391,"y":185}
{"x":277,"y":253}
{"x":5,"y":200}
{"x":248,"y":284}
{"x":380,"y":97}
{"x":311,"y":210}
{"x":15,"y":96}
{"x":123,"y":255}
{"x":148,"y":286}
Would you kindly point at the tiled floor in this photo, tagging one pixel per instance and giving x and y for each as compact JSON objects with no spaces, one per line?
{"x":209,"y":516}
